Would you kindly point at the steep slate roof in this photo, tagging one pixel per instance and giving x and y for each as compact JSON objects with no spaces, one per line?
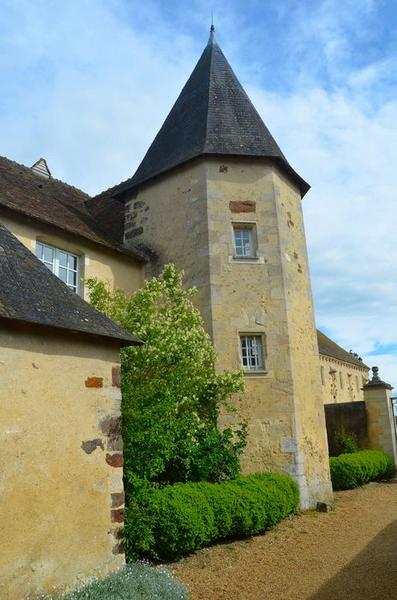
{"x":212,"y":116}
{"x":330,"y":348}
{"x":29,"y":292}
{"x":61,"y":205}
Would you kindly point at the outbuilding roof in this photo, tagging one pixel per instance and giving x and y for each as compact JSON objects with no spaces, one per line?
{"x":56,"y":203}
{"x":212,"y":116}
{"x":30,"y":293}
{"x":328,"y":347}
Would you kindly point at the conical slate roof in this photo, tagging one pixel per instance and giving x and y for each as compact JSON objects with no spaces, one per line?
{"x":212,"y":116}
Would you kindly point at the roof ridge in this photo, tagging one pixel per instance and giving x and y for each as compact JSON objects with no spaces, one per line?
{"x":52,"y":178}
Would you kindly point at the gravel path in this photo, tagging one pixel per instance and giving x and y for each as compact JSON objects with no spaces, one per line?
{"x":349,"y":554}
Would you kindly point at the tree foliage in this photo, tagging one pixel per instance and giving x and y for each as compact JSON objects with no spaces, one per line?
{"x":172,"y":395}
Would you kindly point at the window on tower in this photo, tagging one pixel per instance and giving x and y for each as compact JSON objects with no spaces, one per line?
{"x":252,"y":352}
{"x":244,"y":240}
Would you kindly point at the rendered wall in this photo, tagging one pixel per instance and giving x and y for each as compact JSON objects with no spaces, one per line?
{"x":61,"y":488}
{"x":96,"y":261}
{"x":188,"y":216}
{"x":341,"y":382}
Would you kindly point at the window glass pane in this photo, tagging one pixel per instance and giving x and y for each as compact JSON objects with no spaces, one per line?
{"x":72,"y":278}
{"x":72,"y":262}
{"x":48,"y":254}
{"x":243,"y":241}
{"x":63,"y":274}
{"x":63,"y":258}
{"x":251,"y":352}
{"x":39,"y":250}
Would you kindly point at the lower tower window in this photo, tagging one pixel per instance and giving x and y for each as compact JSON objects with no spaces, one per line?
{"x":252,"y":352}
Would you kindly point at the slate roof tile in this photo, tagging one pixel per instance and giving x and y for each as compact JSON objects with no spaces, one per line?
{"x":212,"y":116}
{"x":30,"y":293}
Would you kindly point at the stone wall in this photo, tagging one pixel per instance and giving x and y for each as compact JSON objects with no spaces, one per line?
{"x":61,"y":488}
{"x":187,"y":217}
{"x":341,"y":381}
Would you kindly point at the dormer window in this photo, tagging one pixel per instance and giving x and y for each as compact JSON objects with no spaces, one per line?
{"x":63,"y":264}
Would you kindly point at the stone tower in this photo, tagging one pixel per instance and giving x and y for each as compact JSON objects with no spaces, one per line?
{"x":216,"y":196}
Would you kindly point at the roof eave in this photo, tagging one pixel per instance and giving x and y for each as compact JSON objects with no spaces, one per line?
{"x":131,"y":185}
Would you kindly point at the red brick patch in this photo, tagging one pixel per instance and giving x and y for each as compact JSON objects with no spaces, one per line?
{"x":94,"y":382}
{"x":115,"y":460}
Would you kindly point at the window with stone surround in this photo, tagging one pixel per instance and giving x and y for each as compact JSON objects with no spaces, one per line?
{"x":252,"y":349}
{"x":244,"y":240}
{"x":63,"y":264}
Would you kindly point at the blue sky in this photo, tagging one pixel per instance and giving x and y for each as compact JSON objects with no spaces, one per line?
{"x":87,"y":84}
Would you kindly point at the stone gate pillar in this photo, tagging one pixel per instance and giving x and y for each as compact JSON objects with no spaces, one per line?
{"x":381,"y":419}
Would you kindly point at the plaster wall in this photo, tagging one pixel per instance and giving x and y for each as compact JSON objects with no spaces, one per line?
{"x":341,"y":382}
{"x":188,"y":218}
{"x":61,"y":488}
{"x":120,"y":271}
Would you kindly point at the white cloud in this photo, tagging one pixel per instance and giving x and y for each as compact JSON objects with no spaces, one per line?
{"x":87,"y":85}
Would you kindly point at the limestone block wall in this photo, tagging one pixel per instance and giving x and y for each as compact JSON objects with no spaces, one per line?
{"x":270,"y":296}
{"x":169,"y":219}
{"x":61,"y":487}
{"x":187,"y":216}
{"x":121,"y":272}
{"x":341,"y":381}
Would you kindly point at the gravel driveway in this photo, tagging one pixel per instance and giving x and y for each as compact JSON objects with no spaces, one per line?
{"x":349,"y":554}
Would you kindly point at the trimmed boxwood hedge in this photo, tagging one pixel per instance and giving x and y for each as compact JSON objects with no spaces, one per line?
{"x":184,"y":517}
{"x":351,"y":470}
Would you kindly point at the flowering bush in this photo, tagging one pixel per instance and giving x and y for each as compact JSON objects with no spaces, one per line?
{"x":172,"y":395}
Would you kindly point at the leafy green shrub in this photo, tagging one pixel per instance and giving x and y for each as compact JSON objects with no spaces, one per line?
{"x":345,"y":442}
{"x":351,"y":470}
{"x":137,"y":581}
{"x":172,"y":395}
{"x":187,"y":516}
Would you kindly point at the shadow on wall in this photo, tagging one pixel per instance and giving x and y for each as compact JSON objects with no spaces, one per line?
{"x":372,"y":575}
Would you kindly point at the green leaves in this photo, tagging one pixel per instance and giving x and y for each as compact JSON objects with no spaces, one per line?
{"x":172,"y":395}
{"x":185,"y":517}
{"x":351,"y":470}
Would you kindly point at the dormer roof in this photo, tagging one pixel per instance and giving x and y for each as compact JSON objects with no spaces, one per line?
{"x":212,"y":116}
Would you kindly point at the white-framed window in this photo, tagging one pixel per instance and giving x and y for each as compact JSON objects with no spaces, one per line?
{"x":252,"y":352}
{"x":63,"y":264}
{"x":244,"y":240}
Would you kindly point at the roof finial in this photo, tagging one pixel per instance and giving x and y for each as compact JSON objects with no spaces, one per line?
{"x":211,"y":40}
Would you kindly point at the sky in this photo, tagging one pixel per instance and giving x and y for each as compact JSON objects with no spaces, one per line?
{"x":87,"y":84}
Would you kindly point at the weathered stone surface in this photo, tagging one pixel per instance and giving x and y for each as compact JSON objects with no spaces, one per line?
{"x":115,"y":460}
{"x":116,"y":376}
{"x":117,"y":499}
{"x":242,"y":206}
{"x":117,"y":515}
{"x":90,"y":445}
{"x":115,"y":443}
{"x":111,"y":425}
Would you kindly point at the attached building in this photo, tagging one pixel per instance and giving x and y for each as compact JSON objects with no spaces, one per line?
{"x":61,"y":486}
